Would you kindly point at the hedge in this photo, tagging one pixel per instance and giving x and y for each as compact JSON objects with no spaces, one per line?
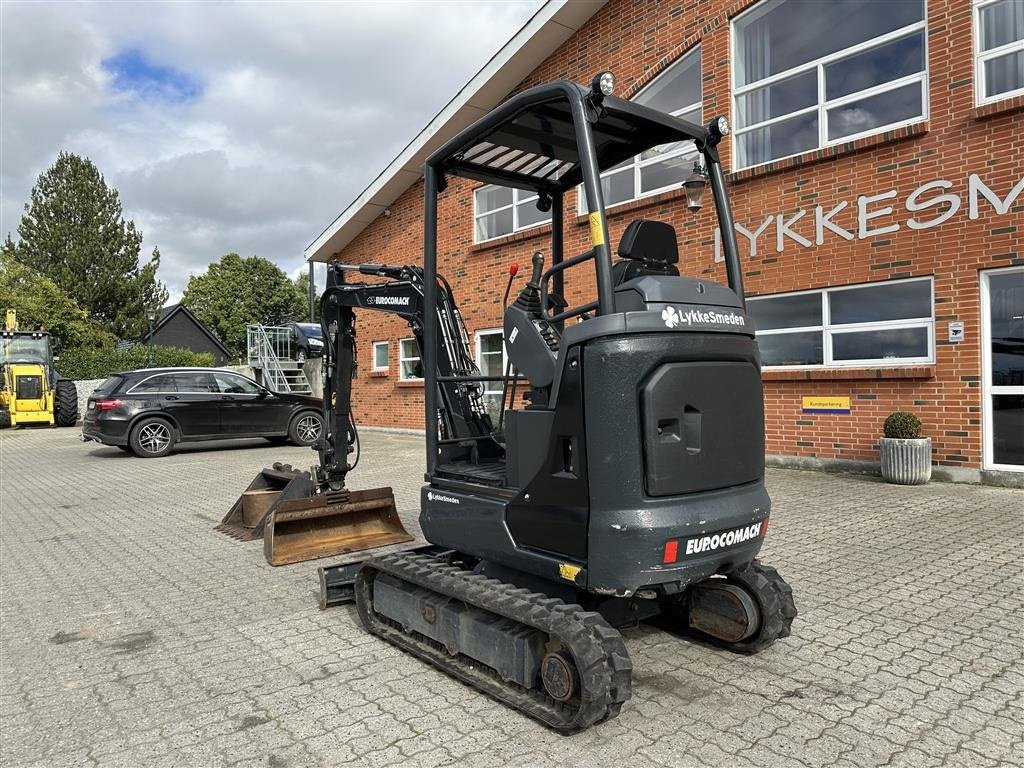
{"x":84,"y":363}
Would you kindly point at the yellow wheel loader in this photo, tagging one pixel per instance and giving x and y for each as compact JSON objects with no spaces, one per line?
{"x":31,"y":390}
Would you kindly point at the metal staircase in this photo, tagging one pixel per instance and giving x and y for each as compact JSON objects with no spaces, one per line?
{"x":270,"y":355}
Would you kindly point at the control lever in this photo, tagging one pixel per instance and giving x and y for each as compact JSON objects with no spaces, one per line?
{"x":538,"y":269}
{"x":531,"y":341}
{"x":529,"y":297}
{"x":513,"y":270}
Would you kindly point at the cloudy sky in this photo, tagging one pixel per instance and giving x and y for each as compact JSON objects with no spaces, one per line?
{"x":226,"y":126}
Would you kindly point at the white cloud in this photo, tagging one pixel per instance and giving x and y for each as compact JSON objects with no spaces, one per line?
{"x":302,"y":105}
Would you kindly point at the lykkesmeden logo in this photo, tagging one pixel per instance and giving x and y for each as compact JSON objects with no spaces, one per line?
{"x":674,"y":317}
{"x":431,"y":496}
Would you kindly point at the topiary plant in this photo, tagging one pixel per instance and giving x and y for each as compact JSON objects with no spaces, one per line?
{"x":903,"y":425}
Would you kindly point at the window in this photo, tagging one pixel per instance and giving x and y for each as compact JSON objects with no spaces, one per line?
{"x":231,"y":383}
{"x":490,"y":359}
{"x":998,"y":49}
{"x":502,"y":210}
{"x":677,"y":90}
{"x":809,"y":75}
{"x":888,"y":323}
{"x":163,"y":383}
{"x":410,"y":368}
{"x":195,"y":382}
{"x":380,"y":356}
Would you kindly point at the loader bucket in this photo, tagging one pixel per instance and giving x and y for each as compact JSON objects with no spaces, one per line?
{"x":326,"y":525}
{"x":247,"y":517}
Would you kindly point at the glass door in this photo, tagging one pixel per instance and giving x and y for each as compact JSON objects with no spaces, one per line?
{"x":1002,"y":338}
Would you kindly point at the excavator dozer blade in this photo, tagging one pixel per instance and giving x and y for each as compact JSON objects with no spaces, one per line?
{"x":247,"y":517}
{"x":321,"y":526}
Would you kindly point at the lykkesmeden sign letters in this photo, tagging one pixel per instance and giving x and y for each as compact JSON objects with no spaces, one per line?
{"x":869,"y":216}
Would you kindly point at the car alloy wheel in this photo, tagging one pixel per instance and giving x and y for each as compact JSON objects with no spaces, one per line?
{"x":308,"y":428}
{"x":154,"y":437}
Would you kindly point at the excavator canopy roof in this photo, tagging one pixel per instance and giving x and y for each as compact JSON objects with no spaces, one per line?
{"x":531,"y":141}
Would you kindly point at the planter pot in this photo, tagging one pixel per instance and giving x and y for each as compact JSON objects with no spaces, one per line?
{"x":906,"y":462}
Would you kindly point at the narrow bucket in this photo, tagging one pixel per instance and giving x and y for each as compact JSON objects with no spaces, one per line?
{"x":247,"y":517}
{"x":319,"y":526}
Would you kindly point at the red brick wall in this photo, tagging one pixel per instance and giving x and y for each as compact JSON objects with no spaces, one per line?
{"x":637,"y":40}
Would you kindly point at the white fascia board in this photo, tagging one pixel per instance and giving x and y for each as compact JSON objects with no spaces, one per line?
{"x":552,"y":25}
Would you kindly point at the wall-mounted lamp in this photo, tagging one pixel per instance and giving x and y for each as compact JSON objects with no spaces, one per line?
{"x":695,"y":185}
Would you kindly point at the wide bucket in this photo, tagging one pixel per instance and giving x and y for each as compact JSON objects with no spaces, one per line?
{"x":248,"y":515}
{"x":322,"y":526}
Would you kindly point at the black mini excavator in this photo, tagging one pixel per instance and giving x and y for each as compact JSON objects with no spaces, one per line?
{"x":631,"y":485}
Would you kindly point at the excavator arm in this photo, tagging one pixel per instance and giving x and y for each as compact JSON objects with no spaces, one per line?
{"x":302,"y":515}
{"x":463,"y":422}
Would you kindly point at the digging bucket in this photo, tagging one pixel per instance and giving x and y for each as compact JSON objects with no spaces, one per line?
{"x":325,"y":525}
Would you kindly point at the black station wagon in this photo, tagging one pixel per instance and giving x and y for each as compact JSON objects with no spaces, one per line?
{"x":148,"y":412}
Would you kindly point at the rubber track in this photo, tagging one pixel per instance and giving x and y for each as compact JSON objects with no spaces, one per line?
{"x":775,"y":598}
{"x":605,"y":669}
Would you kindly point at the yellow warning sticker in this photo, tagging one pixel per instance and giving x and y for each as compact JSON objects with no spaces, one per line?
{"x":568,"y":572}
{"x":596,"y":230}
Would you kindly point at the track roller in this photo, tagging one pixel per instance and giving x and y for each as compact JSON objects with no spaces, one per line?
{"x":561,"y":665}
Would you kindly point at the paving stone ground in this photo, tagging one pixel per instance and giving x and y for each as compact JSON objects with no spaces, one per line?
{"x":131,"y":634}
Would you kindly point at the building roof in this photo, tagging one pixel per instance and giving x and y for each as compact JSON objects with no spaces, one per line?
{"x":168,"y":312}
{"x":547,"y":29}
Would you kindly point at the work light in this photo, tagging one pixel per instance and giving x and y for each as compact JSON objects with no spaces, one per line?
{"x":719,"y":127}
{"x":602,"y":85}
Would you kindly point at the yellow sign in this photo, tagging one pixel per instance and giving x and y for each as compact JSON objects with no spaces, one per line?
{"x":828,"y":404}
{"x":596,"y":230}
{"x":568,"y":572}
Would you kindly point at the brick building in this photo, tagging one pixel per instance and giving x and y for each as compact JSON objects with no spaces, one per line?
{"x":877,"y":181}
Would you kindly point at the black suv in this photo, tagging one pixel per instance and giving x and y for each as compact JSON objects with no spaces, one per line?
{"x":307,"y":340}
{"x":147,"y":412}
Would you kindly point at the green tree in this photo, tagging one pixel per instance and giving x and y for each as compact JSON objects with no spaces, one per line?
{"x":73,"y":232}
{"x":235,"y":292}
{"x":39,"y":301}
{"x":302,"y":288}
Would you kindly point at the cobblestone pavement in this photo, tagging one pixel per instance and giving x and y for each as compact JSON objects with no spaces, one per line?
{"x":133,"y":635}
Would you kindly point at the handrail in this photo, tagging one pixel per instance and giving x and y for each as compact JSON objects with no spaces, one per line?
{"x":262,"y":354}
{"x":556,"y":269}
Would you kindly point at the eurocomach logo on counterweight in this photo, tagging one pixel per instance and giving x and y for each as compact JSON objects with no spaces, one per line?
{"x":719,"y":540}
{"x":699,"y":544}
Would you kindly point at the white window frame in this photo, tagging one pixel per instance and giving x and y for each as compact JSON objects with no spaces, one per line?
{"x":987,"y":388}
{"x":980,"y":57}
{"x":491,"y":387}
{"x":516,"y":203}
{"x":823,"y":106}
{"x":829,"y":329}
{"x":402,"y":359}
{"x":386,"y":345}
{"x":638,"y":164}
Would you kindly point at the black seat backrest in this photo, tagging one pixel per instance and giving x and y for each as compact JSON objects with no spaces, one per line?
{"x":647,"y":248}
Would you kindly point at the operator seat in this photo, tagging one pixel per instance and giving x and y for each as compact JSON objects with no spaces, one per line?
{"x":647,"y":247}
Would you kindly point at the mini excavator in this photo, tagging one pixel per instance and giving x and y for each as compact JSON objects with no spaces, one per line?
{"x":631,"y":485}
